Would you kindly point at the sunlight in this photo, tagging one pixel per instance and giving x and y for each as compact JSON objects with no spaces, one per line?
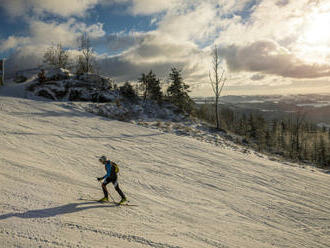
{"x":317,"y":29}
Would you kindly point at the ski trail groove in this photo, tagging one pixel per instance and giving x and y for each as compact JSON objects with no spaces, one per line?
{"x":127,"y":237}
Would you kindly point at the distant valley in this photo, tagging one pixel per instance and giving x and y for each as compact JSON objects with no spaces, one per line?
{"x":314,"y":107}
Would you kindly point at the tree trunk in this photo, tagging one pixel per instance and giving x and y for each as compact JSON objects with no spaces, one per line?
{"x":217,"y":112}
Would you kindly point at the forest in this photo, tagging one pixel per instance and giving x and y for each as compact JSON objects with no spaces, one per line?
{"x":292,"y":137}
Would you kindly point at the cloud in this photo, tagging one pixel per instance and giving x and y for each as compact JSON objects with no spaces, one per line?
{"x":13,"y":42}
{"x":268,"y":57}
{"x":46,"y":33}
{"x":149,"y":7}
{"x":120,"y":41}
{"x":197,"y":23}
{"x":257,"y":77}
{"x":282,"y":2}
{"x":24,"y":58}
{"x":262,"y":41}
{"x":63,"y":8}
{"x":154,"y":51}
{"x":28,"y":51}
{"x":235,"y":6}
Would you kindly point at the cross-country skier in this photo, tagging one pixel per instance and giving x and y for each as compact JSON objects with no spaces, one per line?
{"x":111,"y":176}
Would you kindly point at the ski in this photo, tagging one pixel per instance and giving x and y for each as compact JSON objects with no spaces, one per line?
{"x":126,"y":204}
{"x":109,"y":202}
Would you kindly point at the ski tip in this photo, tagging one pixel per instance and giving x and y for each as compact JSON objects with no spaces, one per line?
{"x":126,"y":204}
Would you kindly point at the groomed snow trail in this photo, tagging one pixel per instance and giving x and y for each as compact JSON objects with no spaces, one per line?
{"x":189,"y":193}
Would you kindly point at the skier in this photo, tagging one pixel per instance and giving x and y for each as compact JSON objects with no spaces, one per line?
{"x":111,"y":176}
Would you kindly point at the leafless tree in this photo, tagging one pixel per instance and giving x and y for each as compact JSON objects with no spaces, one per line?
{"x":217,"y":80}
{"x":86,"y":61}
{"x":57,"y":57}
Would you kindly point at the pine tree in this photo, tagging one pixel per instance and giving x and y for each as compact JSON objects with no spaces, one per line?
{"x":322,"y":152}
{"x":151,"y":87}
{"x":155,"y":90}
{"x":178,"y":91}
{"x":260,"y":132}
{"x":128,"y":91}
{"x":252,"y":129}
{"x":143,"y":85}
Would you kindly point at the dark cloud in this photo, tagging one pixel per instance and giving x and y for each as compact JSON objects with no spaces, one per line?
{"x":154,"y":52}
{"x":122,"y":69}
{"x":119,"y":42}
{"x":257,"y":77}
{"x":268,"y":57}
{"x":282,"y":3}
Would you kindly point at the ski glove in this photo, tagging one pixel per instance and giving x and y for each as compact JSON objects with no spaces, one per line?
{"x":99,"y":178}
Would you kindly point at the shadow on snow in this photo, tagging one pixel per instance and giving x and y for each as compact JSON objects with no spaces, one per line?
{"x":60,"y":210}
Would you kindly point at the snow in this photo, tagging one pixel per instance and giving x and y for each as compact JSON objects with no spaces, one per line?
{"x":188,"y":193}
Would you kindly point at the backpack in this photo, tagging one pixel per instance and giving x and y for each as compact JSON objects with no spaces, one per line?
{"x":116,"y":166}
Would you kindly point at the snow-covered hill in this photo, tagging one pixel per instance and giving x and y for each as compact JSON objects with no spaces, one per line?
{"x":188,"y":193}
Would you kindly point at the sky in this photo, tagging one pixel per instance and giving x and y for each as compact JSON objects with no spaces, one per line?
{"x":266,"y":46}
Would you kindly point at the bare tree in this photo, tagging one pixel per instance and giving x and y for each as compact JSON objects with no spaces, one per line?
{"x":218,"y":80}
{"x":86,"y":61}
{"x":57,"y":57}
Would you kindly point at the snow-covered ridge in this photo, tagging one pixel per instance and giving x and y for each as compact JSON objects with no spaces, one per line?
{"x":164,"y":119}
{"x":60,"y":85}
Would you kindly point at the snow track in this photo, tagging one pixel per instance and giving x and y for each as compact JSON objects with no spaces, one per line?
{"x":189,"y":193}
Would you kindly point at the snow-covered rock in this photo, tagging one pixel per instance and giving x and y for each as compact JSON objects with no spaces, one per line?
{"x":61,"y":85}
{"x":72,"y":90}
{"x":95,"y":79}
{"x":57,"y":74}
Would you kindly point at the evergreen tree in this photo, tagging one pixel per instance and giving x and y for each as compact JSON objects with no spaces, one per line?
{"x":155,"y":90}
{"x":143,"y":85}
{"x":322,"y":152}
{"x":260,"y":132}
{"x":243,"y":125}
{"x":252,"y":129}
{"x":128,"y":91}
{"x":178,"y":91}
{"x":151,"y":87}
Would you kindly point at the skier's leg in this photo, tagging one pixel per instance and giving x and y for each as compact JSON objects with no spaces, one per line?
{"x":115,"y":183}
{"x":105,"y":191}
{"x":104,"y":187}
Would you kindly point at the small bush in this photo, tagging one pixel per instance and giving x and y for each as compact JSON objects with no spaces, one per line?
{"x":41,"y":76}
{"x":20,"y":79}
{"x":128,"y":92}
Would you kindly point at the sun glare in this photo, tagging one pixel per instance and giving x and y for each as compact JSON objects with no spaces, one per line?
{"x":317,"y":29}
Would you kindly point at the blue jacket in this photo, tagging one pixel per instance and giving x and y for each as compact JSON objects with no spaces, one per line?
{"x":108,"y":168}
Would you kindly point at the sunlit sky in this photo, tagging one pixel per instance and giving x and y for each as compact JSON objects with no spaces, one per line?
{"x":266,"y":46}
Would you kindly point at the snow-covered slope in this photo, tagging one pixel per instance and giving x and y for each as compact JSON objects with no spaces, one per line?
{"x":189,"y":193}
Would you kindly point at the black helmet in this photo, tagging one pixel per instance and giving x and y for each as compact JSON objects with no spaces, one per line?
{"x":102,"y":159}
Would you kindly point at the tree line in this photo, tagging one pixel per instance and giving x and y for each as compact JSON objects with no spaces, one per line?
{"x":150,"y":88}
{"x":291,"y":137}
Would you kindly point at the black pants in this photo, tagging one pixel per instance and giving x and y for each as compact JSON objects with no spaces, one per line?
{"x":114,"y":181}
